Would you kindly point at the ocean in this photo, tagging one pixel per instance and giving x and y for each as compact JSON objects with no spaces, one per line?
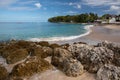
{"x":41,"y":31}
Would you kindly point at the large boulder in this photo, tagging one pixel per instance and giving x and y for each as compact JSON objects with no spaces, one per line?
{"x":109,"y":45}
{"x":108,"y":72}
{"x":41,"y":52}
{"x":3,"y":73}
{"x":31,"y":66}
{"x":72,"y":67}
{"x":43,"y":43}
{"x":54,"y":46}
{"x":59,"y":56}
{"x":63,"y":60}
{"x":91,"y":57}
{"x":115,"y":48}
{"x":16,"y":56}
{"x":47,"y":51}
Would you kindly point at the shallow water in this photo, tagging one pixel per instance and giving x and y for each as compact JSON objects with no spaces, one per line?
{"x":40,"y":31}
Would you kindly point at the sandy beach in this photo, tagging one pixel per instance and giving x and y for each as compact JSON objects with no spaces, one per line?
{"x":98,"y":33}
{"x":105,"y":32}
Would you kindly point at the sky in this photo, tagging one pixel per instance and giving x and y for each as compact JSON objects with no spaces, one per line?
{"x":41,"y":10}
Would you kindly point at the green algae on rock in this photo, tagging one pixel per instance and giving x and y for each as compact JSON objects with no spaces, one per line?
{"x":16,"y":56}
{"x":30,"y":66}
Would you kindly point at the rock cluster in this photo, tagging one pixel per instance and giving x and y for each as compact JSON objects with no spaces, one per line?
{"x":91,"y":57}
{"x":115,"y":48}
{"x":63,"y":60}
{"x":29,"y":67}
{"x":102,"y":59}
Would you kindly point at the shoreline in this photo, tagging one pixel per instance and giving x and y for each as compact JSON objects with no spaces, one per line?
{"x":109,"y":32}
{"x":98,"y":33}
{"x":57,"y":39}
{"x":95,"y":33}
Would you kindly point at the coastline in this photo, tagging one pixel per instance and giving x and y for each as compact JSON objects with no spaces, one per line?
{"x":57,"y":39}
{"x":98,"y":33}
{"x":109,"y":32}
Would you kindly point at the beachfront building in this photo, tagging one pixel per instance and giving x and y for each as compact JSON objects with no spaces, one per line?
{"x":114,"y":19}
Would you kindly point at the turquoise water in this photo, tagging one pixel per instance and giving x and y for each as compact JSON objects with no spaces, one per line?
{"x":40,"y":31}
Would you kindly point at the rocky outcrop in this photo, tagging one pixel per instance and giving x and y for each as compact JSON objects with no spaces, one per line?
{"x":40,"y":52}
{"x":72,"y":67}
{"x":54,"y":46}
{"x":91,"y":57}
{"x":16,"y":56}
{"x":3,"y":73}
{"x":72,"y":59}
{"x":115,"y":48}
{"x":29,"y":67}
{"x":59,"y":56}
{"x":43,"y":43}
{"x":63,"y":60}
{"x":108,"y":72}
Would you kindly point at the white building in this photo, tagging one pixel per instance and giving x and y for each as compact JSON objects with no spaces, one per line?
{"x":112,"y":20}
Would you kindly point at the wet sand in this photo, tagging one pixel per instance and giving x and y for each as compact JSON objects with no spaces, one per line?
{"x":99,"y":33}
{"x":55,"y":74}
{"x":105,"y":32}
{"x":58,"y":75}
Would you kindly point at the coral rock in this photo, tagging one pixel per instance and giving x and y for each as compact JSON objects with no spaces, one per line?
{"x":30,"y":66}
{"x":108,"y":72}
{"x":16,"y":56}
{"x":91,"y":57}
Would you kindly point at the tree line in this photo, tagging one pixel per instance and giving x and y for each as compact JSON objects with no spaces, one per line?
{"x":81,"y":18}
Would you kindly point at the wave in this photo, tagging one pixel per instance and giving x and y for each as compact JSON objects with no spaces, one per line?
{"x":63,"y":38}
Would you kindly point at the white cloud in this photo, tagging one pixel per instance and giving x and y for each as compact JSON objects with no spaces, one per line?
{"x":5,"y":3}
{"x":38,"y":5}
{"x":21,"y":5}
{"x":101,"y":2}
{"x":71,"y":12}
{"x":21,"y":8}
{"x":27,"y":2}
{"x":113,"y":7}
{"x":78,"y":6}
{"x":70,"y":3}
{"x":75,"y":5}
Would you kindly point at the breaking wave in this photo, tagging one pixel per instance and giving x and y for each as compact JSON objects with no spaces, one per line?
{"x":63,"y":38}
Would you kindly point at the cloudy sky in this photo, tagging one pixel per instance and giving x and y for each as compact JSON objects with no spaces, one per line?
{"x":41,"y":10}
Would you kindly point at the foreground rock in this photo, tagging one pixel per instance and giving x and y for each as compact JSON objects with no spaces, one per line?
{"x":3,"y":73}
{"x":115,"y":48}
{"x":29,"y":67}
{"x":72,"y":67}
{"x":16,"y":56}
{"x":71,"y":59}
{"x":108,"y":72}
{"x":91,"y":57}
{"x":63,"y":60}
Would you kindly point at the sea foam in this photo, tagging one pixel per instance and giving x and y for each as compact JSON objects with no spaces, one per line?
{"x":87,"y":27}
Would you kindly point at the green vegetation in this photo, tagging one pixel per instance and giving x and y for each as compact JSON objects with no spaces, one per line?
{"x":82,"y":18}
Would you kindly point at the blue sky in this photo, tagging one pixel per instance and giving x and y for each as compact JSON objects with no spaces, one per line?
{"x":41,"y":10}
